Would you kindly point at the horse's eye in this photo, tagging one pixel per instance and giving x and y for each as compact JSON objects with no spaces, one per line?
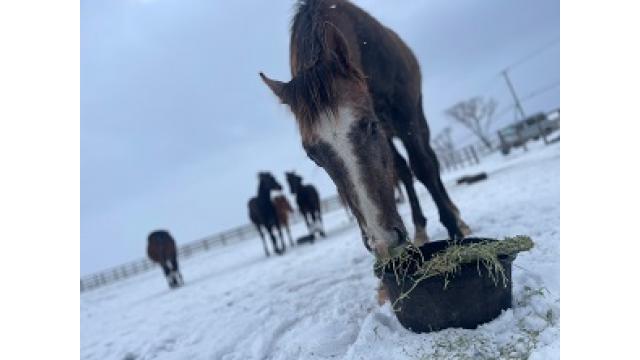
{"x":368,"y":126}
{"x":373,"y":127}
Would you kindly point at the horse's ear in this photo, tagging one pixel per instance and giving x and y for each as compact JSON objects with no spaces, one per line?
{"x":337,"y":46}
{"x":278,"y":87}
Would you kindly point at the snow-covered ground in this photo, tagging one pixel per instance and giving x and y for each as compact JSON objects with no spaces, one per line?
{"x":319,"y":302}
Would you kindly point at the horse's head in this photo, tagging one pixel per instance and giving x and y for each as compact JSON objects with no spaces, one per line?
{"x":342,"y":134}
{"x":294,"y":181}
{"x":268,"y":182}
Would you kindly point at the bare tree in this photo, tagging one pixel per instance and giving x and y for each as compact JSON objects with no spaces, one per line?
{"x":442,"y":142}
{"x":476,"y":114}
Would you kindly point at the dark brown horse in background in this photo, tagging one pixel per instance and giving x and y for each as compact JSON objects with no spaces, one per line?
{"x":308,"y":202}
{"x":161,"y":249}
{"x":263,"y":213}
{"x":355,"y":86}
{"x":284,"y":210}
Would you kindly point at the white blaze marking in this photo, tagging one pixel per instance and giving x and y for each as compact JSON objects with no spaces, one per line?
{"x":336,"y":133}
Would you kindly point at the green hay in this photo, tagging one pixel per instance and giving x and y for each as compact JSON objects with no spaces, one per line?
{"x":447,"y":263}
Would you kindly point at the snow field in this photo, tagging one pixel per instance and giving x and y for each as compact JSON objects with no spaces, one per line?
{"x":319,"y":301}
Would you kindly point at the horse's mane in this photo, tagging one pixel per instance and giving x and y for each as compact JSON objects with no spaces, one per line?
{"x":315,"y":67}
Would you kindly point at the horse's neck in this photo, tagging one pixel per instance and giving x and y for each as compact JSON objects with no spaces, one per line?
{"x":264,"y":194}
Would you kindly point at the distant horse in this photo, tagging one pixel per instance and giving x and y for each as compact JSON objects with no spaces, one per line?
{"x":161,"y":248}
{"x":263,"y":213}
{"x":308,"y":202}
{"x":283,"y":209}
{"x":355,"y":86}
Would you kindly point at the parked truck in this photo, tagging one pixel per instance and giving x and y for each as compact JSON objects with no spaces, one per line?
{"x":531,"y":128}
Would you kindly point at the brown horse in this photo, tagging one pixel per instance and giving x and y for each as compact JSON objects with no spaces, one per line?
{"x":161,"y":249}
{"x":283,"y":210}
{"x":355,"y":86}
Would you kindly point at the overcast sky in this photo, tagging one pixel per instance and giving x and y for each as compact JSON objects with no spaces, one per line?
{"x":175,"y":122}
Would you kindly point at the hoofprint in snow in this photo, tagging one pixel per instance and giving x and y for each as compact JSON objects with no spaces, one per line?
{"x":319,"y":301}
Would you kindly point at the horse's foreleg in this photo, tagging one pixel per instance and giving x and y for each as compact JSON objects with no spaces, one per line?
{"x":176,"y":271}
{"x":319,"y":221}
{"x":427,"y":169}
{"x":282,"y":242}
{"x":274,"y":241}
{"x":319,"y":216}
{"x":404,"y":173}
{"x":264,"y":242}
{"x":306,"y":221}
{"x":400,"y":193}
{"x":167,"y":268}
{"x":289,"y":233}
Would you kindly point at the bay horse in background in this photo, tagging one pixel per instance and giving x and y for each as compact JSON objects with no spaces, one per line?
{"x":284,"y":210}
{"x":308,"y":202}
{"x":263,"y":213}
{"x":355,"y":86}
{"x":161,"y":249}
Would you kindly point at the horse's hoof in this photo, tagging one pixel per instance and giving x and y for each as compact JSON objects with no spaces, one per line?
{"x":383,"y":295}
{"x":465,"y":230}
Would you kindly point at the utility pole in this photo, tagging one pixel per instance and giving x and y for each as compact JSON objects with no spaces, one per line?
{"x":513,"y":93}
{"x":519,"y":105}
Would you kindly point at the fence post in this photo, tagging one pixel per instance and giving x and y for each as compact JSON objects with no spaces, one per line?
{"x":239,"y":233}
{"x":467,"y":156}
{"x":452,"y":161}
{"x":444,"y":162}
{"x":460,"y":159}
{"x":475,"y":155}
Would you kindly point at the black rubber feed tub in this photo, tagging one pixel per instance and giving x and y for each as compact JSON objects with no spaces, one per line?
{"x":470,"y":298}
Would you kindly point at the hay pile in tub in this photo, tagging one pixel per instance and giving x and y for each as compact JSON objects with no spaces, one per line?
{"x":408,"y":266}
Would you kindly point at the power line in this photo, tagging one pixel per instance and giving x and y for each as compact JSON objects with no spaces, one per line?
{"x":541,"y":90}
{"x":513,"y":93}
{"x":491,"y":82}
{"x":533,"y":54}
